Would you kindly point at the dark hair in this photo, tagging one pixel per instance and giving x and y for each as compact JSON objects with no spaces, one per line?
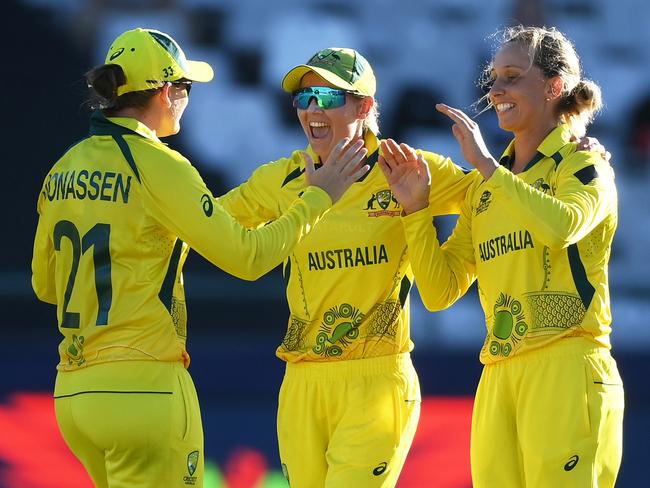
{"x":104,"y":81}
{"x":554,"y":55}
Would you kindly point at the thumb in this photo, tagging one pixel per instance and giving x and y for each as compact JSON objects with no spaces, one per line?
{"x":457,"y":132}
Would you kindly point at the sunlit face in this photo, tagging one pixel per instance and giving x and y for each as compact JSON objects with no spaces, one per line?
{"x":519,"y":90}
{"x":179,"y":99}
{"x":325,"y":128}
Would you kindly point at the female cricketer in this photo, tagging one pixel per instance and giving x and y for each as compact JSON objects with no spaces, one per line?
{"x":536,"y":231}
{"x":118,"y":213}
{"x":350,"y":399}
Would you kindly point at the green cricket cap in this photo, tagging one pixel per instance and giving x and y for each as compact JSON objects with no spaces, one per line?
{"x":342,"y":67}
{"x":151,"y":58}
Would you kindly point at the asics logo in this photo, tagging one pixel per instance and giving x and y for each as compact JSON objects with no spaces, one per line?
{"x":379,"y":470}
{"x":573,"y":460}
{"x":208,"y":206}
{"x":116,"y":53}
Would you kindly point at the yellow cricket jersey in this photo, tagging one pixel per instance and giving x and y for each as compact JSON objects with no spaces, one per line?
{"x":349,"y":279}
{"x":118,"y":213}
{"x":539,"y":243}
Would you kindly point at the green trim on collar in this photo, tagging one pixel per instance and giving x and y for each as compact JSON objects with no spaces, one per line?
{"x":100,"y":125}
{"x":371,"y":161}
{"x":550,"y":147}
{"x":126,"y":152}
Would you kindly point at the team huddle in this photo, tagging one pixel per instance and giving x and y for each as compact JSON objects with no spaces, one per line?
{"x":350,"y":217}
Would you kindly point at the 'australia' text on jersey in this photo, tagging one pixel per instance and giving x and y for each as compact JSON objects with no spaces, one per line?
{"x":347,"y":258}
{"x":500,"y":245}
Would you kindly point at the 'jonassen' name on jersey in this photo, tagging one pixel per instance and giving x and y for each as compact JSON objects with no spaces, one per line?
{"x":107,"y":186}
{"x":347,"y":258}
{"x":501,"y":245}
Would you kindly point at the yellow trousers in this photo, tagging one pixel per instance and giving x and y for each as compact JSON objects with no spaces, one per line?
{"x":550,"y":418}
{"x":347,"y":423}
{"x":137,"y":438}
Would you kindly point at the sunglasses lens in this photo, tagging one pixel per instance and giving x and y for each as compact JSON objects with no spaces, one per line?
{"x":187,"y":85}
{"x":325,"y":97}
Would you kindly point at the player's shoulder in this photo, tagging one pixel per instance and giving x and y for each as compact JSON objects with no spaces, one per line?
{"x":156,"y":156}
{"x":591,"y":163}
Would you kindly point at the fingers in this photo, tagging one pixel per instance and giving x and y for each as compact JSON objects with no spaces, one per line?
{"x":353,"y":162}
{"x":456,"y":115}
{"x":360,"y":172}
{"x":395,"y":154}
{"x":385,"y":166}
{"x":309,"y":164}
{"x":458,"y":133}
{"x":340,"y":146}
{"x":423,"y":167}
{"x":396,"y":151}
{"x":344,"y":150}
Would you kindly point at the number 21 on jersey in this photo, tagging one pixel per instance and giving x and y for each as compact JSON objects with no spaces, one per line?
{"x":96,"y":238}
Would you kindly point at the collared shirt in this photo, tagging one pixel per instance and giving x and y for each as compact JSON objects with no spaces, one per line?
{"x":348,"y":282}
{"x":117,"y":215}
{"x":539,"y":243}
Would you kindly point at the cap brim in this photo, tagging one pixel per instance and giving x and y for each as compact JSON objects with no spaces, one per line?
{"x":199,"y":71}
{"x":291,"y":81}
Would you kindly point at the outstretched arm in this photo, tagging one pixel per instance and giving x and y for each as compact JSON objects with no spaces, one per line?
{"x":198,"y":218}
{"x":443,"y":274}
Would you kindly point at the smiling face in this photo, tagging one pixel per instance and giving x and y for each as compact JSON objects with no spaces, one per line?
{"x":325,"y":128}
{"x":522,"y":96}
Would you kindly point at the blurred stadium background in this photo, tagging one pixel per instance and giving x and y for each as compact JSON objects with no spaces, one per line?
{"x":423,"y":51}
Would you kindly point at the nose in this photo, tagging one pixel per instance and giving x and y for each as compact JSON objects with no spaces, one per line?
{"x":496,"y":89}
{"x":313,"y":105}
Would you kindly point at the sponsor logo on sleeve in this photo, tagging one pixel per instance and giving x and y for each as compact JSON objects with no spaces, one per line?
{"x":208,"y":205}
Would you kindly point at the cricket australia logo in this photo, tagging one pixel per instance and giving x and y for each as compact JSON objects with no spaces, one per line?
{"x":509,"y":325}
{"x":339,"y":327}
{"x":484,"y":202}
{"x":326,"y":57}
{"x":383,"y":199}
{"x":75,"y":351}
{"x":192,"y":464}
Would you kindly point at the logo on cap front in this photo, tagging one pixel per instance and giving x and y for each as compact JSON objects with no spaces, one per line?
{"x":327,"y":57}
{"x":116,"y":53}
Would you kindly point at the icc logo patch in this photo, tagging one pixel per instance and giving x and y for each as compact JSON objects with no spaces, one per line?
{"x":484,"y":202}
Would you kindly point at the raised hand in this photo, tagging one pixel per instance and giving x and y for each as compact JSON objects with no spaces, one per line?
{"x":340,"y":170}
{"x":468,"y":135}
{"x":407,"y":174}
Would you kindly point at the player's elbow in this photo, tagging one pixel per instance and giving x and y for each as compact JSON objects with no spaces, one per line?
{"x":557,"y":240}
{"x":435,"y":305}
{"x":251,"y":274}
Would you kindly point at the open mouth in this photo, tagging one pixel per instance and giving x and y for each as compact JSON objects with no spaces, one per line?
{"x":504,"y":107}
{"x":319,"y":130}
